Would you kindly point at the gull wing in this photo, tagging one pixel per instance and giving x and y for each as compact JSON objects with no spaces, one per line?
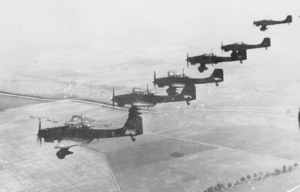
{"x":143,"y":104}
{"x":67,"y":144}
{"x":178,"y":85}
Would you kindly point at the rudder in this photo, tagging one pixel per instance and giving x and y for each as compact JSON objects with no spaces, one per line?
{"x":218,"y":73}
{"x":266,"y":42}
{"x":189,"y":90}
{"x":288,"y":19}
{"x":134,"y":124}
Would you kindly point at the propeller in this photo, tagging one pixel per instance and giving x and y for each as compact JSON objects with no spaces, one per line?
{"x":187,"y":60}
{"x":39,"y":138}
{"x":222,"y":47}
{"x":147,"y":89}
{"x":113,"y":98}
{"x":154,"y":80}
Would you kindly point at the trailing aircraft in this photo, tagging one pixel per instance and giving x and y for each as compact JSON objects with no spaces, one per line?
{"x":205,"y":59}
{"x":178,"y":81}
{"x":78,"y":132}
{"x":141,"y":98}
{"x":242,"y":46}
{"x":264,"y":23}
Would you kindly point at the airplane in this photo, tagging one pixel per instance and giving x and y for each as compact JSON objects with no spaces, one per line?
{"x":141,"y":98}
{"x":78,"y":133}
{"x":213,"y":59}
{"x":239,"y":46}
{"x":264,"y":23}
{"x":178,"y":81}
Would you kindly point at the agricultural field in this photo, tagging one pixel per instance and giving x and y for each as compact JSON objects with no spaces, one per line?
{"x":8,"y":102}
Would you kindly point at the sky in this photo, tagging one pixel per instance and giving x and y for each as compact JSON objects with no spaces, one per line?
{"x":148,"y":29}
{"x":136,"y":22}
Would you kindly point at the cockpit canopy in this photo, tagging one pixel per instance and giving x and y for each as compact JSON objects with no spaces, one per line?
{"x":173,"y":74}
{"x":139,"y":91}
{"x":77,"y":122}
{"x":239,"y":43}
{"x":209,"y":54}
{"x":76,"y":118}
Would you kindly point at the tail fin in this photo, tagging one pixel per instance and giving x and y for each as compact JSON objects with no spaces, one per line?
{"x":266,"y":42}
{"x":134,"y":124}
{"x":218,"y":73}
{"x":288,"y":19}
{"x":189,"y":90}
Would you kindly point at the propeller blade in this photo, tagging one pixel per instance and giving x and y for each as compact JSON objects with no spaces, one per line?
{"x":187,"y":61}
{"x":222,"y":47}
{"x":40,"y":124}
{"x":39,"y":138}
{"x":113,"y":98}
{"x":154,"y":80}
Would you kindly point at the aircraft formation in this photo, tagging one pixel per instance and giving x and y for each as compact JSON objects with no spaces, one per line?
{"x":78,"y":132}
{"x":239,"y":53}
{"x":239,"y":50}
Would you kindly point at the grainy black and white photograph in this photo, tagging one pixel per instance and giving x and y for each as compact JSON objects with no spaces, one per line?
{"x":149,"y":96}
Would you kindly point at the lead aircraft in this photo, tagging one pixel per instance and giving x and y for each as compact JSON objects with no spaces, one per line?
{"x":264,"y":23}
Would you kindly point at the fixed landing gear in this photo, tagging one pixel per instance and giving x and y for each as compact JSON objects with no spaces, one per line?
{"x":241,"y":61}
{"x":217,"y":84}
{"x":263,"y":29}
{"x":133,"y":111}
{"x":187,"y":102}
{"x":132,"y":138}
{"x":61,"y":154}
{"x":202,"y":68}
{"x":171,"y":91}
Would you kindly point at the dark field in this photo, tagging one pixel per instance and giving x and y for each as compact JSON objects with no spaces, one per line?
{"x":8,"y":102}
